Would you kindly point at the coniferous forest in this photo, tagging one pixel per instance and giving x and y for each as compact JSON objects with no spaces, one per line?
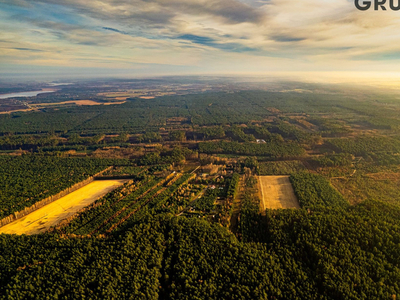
{"x":188,"y":220}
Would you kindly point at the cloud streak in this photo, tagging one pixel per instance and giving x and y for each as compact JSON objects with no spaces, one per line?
{"x":202,"y":35}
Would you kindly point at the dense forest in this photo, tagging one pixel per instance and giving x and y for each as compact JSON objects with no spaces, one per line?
{"x":27,"y":179}
{"x":187,"y":222}
{"x":325,"y":254}
{"x":137,"y":115}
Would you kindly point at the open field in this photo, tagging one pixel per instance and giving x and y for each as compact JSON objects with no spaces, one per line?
{"x":50,"y":215}
{"x":277,"y":192}
{"x":77,"y":102}
{"x":382,"y":186}
{"x":14,"y":110}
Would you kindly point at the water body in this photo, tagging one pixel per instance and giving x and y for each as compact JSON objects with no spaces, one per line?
{"x":25,"y":94}
{"x":59,"y":83}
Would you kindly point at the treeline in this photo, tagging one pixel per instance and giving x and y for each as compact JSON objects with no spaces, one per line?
{"x":280,"y":167}
{"x":326,"y":253}
{"x":205,"y":261}
{"x":345,"y":253}
{"x":124,"y":170}
{"x":106,"y":210}
{"x":205,"y":109}
{"x":43,"y":266}
{"x":332,"y":160}
{"x":289,"y":131}
{"x":176,"y":155}
{"x":268,"y":131}
{"x":233,"y":186}
{"x":249,"y":224}
{"x":26,"y":142}
{"x":364,"y":145}
{"x":179,"y":200}
{"x":383,"y":158}
{"x":276,"y":150}
{"x":210,"y":109}
{"x":146,"y":193}
{"x":59,"y":142}
{"x":209,"y":133}
{"x":329,"y":127}
{"x":313,"y":190}
{"x":26,"y":179}
{"x":206,"y":202}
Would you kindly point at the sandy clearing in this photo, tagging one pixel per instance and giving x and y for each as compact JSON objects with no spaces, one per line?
{"x":12,"y":111}
{"x":112,"y":103}
{"x":50,"y":215}
{"x":77,"y":102}
{"x":277,"y":192}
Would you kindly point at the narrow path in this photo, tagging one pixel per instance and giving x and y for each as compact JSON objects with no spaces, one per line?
{"x":237,"y":207}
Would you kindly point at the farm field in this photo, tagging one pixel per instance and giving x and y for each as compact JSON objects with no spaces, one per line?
{"x":277,"y":192}
{"x":50,"y":215}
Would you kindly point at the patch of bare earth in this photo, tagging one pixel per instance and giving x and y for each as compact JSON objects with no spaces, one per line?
{"x":50,"y":215}
{"x":277,"y":192}
{"x":77,"y":102}
{"x":15,"y":110}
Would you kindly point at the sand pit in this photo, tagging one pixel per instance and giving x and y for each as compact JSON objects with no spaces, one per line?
{"x":277,"y":192}
{"x":77,"y":102}
{"x":50,"y":215}
{"x":113,"y":103}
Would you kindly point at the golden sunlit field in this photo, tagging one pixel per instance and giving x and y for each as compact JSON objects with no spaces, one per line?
{"x":77,"y":102}
{"x":50,"y":215}
{"x":277,"y":192}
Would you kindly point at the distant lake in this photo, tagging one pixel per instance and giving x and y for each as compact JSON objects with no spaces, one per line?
{"x":25,"y":94}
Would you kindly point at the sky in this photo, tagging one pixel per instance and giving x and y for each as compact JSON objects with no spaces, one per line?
{"x":310,"y":38}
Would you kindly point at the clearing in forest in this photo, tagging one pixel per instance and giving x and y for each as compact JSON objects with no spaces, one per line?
{"x":277,"y":192}
{"x":50,"y":215}
{"x":77,"y":102}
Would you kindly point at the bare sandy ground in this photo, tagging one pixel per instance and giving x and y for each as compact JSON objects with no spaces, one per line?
{"x":277,"y":192}
{"x":16,"y":110}
{"x":77,"y":102}
{"x":50,"y":215}
{"x":112,"y":103}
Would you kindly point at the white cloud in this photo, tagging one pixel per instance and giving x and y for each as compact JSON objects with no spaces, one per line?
{"x":207,"y":35}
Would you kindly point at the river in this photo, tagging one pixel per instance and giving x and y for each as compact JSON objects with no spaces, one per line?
{"x":25,"y":94}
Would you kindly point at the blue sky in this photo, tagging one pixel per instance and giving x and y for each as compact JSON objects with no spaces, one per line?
{"x":178,"y":37}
